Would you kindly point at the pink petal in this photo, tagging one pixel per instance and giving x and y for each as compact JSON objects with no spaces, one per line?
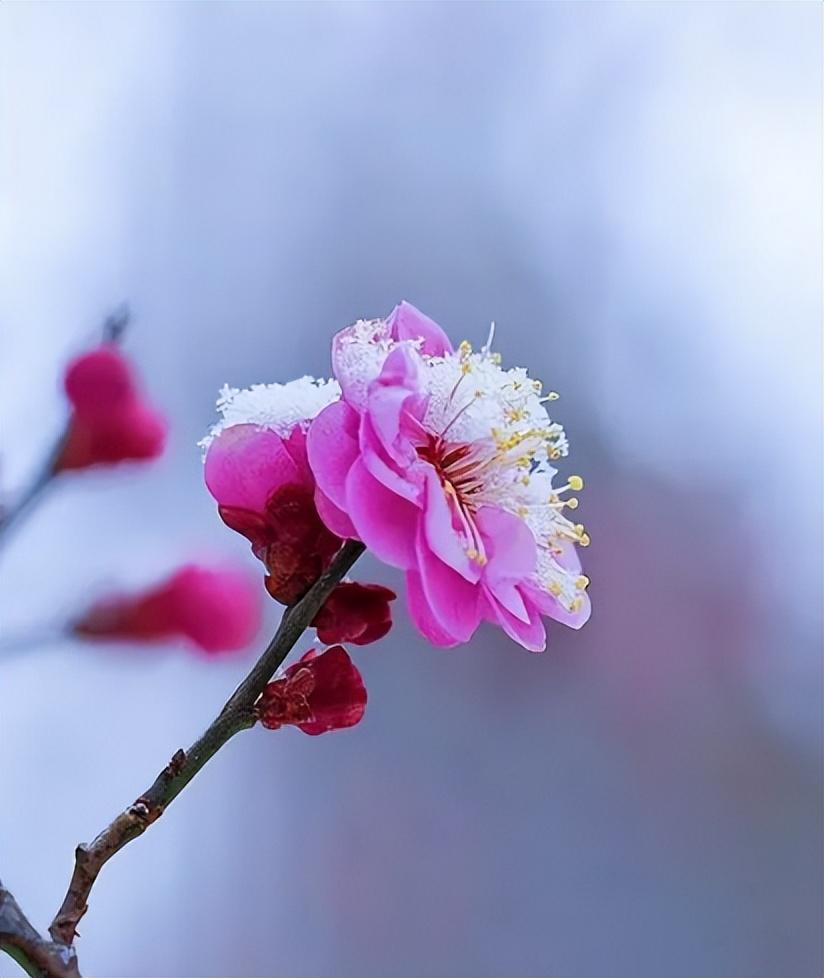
{"x":401,"y":479}
{"x":422,"y":616}
{"x":510,"y":545}
{"x":531,"y":634}
{"x":385,"y":522}
{"x":334,"y":519}
{"x":332,"y":447}
{"x":244,"y":464}
{"x":295,"y":445}
{"x":441,"y":536}
{"x":508,"y":595}
{"x":453,"y":601}
{"x":550,"y":606}
{"x":405,"y":322}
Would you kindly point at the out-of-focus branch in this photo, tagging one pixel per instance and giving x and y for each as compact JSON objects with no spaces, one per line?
{"x":115,"y":324}
{"x":113,"y":328}
{"x":37,"y":955}
{"x":237,"y":714}
{"x":13,"y":514}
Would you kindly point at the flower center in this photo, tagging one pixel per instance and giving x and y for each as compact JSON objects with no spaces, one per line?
{"x":460,"y":471}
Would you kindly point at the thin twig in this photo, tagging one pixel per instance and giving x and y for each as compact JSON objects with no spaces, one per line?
{"x":112,"y":330}
{"x":116,"y":323}
{"x":12,"y":516}
{"x":38,"y":956}
{"x":236,"y":715}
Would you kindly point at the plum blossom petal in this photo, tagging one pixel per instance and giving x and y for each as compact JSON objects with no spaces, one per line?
{"x":332,"y":449}
{"x":244,"y":463}
{"x":335,"y":519}
{"x":423,"y":616}
{"x":405,"y":322}
{"x":440,"y":532}
{"x":530,"y":634}
{"x":455,"y":603}
{"x":385,"y":521}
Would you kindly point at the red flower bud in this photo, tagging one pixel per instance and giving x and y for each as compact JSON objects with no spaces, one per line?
{"x":264,"y":489}
{"x":214,"y":610}
{"x":356,"y":613}
{"x":318,"y":693}
{"x":110,"y":422}
{"x":290,"y":539}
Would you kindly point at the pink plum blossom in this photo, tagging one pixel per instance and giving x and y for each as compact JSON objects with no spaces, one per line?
{"x":439,"y":460}
{"x":110,"y":422}
{"x":214,"y":610}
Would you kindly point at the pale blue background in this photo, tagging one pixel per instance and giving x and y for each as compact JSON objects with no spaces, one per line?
{"x":633,"y":192}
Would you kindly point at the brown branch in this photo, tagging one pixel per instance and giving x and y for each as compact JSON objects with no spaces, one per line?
{"x":236,"y":715}
{"x":38,"y":956}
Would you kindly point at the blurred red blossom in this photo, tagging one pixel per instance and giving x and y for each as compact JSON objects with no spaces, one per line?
{"x":317,"y":694}
{"x":215,"y":610}
{"x":356,"y":613}
{"x":110,"y":421}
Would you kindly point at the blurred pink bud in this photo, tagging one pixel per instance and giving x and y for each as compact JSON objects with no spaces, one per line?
{"x":214,"y":610}
{"x":356,"y":613}
{"x":317,"y":694}
{"x":110,"y":422}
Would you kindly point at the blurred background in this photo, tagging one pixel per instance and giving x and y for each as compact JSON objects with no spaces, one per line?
{"x":633,"y":193}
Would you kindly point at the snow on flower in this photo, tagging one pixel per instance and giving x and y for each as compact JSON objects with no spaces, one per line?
{"x":276,"y":407}
{"x":213,"y":609}
{"x":257,"y":470}
{"x":110,"y":420}
{"x":440,"y":461}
